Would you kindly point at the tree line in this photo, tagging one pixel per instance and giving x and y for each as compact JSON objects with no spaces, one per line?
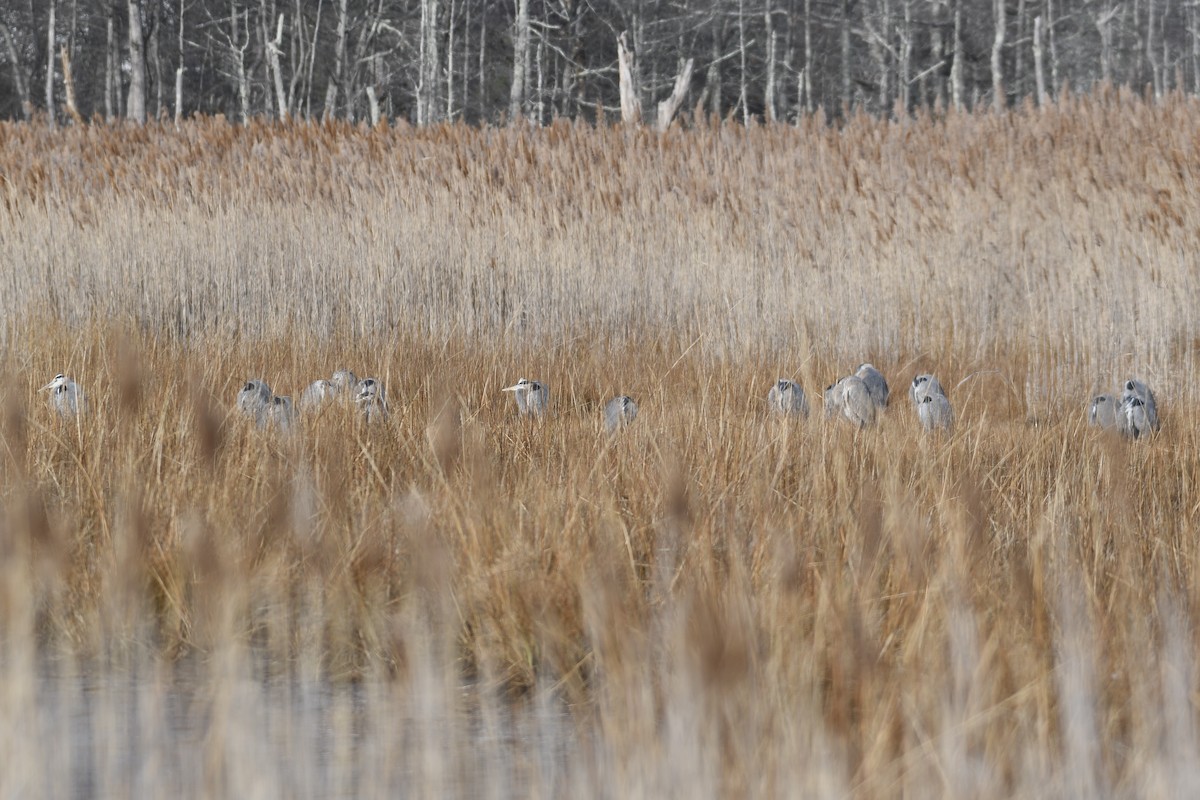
{"x":481,"y":61}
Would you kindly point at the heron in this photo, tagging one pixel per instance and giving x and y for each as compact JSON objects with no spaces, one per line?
{"x":786,"y":397}
{"x":851,"y":396}
{"x":1134,"y":418}
{"x":833,"y":399}
{"x":66,"y":398}
{"x":343,"y":380}
{"x":935,"y":413}
{"x":533,"y":397}
{"x":875,"y":382}
{"x":317,"y":393}
{"x":923,"y":385}
{"x":619,"y":412}
{"x":281,"y":412}
{"x":1132,"y":389}
{"x":1102,"y":413}
{"x":255,"y":399}
{"x":371,"y":399}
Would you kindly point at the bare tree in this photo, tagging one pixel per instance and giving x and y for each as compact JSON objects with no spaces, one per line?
{"x":997,"y":48}
{"x":136,"y":106}
{"x":50,"y":66}
{"x":428,"y":91}
{"x":339,"y":62}
{"x":631,"y":101}
{"x":273,"y":53}
{"x":516,"y":96}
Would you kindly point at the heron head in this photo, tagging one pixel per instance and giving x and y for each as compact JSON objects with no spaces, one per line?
{"x":59,"y":381}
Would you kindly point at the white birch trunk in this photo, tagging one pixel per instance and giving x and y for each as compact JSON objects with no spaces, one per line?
{"x":516,"y":95}
{"x":136,"y":104}
{"x":50,"y":119}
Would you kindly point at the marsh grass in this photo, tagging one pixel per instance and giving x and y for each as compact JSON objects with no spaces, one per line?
{"x":714,"y":602}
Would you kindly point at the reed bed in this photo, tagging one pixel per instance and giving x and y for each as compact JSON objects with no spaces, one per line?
{"x":712,"y":603}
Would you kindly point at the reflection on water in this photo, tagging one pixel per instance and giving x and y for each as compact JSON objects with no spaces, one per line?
{"x":149,"y":731}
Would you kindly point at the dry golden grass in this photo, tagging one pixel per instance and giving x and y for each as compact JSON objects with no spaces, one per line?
{"x":713,"y":602}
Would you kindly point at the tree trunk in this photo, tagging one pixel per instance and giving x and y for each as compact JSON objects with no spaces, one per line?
{"x":339,"y":63}
{"x":668,"y":108}
{"x":312,"y":60}
{"x":136,"y":105}
{"x":1038,"y":73}
{"x":483,"y":65}
{"x":906,"y":60}
{"x":110,"y":62}
{"x":997,"y":48}
{"x":631,"y":104}
{"x":154,"y":59}
{"x":516,"y":95}
{"x":1054,"y":79}
{"x":179,"y":73}
{"x":845,"y":41}
{"x":806,"y":81}
{"x":237,"y":49}
{"x":450,"y":63}
{"x":1151,"y":51}
{"x":428,"y":92}
{"x":956,"y":69}
{"x":1104,"y":26}
{"x":69,"y":85}
{"x":743,"y":98}
{"x":50,"y":66}
{"x":273,"y":49}
{"x":770,"y":91}
{"x":712,"y":79}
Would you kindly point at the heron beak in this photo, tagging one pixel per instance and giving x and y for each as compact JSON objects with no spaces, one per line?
{"x":49,"y":385}
{"x":511,"y":388}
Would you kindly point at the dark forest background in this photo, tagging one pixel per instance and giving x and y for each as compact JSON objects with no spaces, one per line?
{"x":480,"y":61}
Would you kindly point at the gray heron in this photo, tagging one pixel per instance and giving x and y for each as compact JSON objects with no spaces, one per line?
{"x":371,"y":399}
{"x":786,"y":397}
{"x":875,"y":382}
{"x":1134,"y":389}
{"x":343,"y":383}
{"x":316,"y":393}
{"x":533,"y":397}
{"x":832,"y":397}
{"x":255,"y":400}
{"x":935,"y":413}
{"x":923,"y":385}
{"x":850,"y":397}
{"x":1134,"y":418}
{"x":1102,"y":413}
{"x":343,"y":380}
{"x":619,"y":412}
{"x":66,"y":398}
{"x":281,"y":412}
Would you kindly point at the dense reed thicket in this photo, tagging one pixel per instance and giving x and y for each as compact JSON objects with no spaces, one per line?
{"x":713,"y":602}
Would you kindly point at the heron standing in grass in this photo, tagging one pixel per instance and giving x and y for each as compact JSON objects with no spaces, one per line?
{"x":852,"y":399}
{"x":787,"y":398}
{"x":316,"y":394}
{"x":533,"y":397}
{"x":281,"y":412}
{"x":923,"y":385}
{"x":343,"y":383}
{"x":1102,"y":413}
{"x":875,"y":382}
{"x":66,"y":398}
{"x":619,"y":412}
{"x":935,"y":412}
{"x":1134,"y":389}
{"x":371,"y":399}
{"x":255,"y":400}
{"x":1134,"y":418}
